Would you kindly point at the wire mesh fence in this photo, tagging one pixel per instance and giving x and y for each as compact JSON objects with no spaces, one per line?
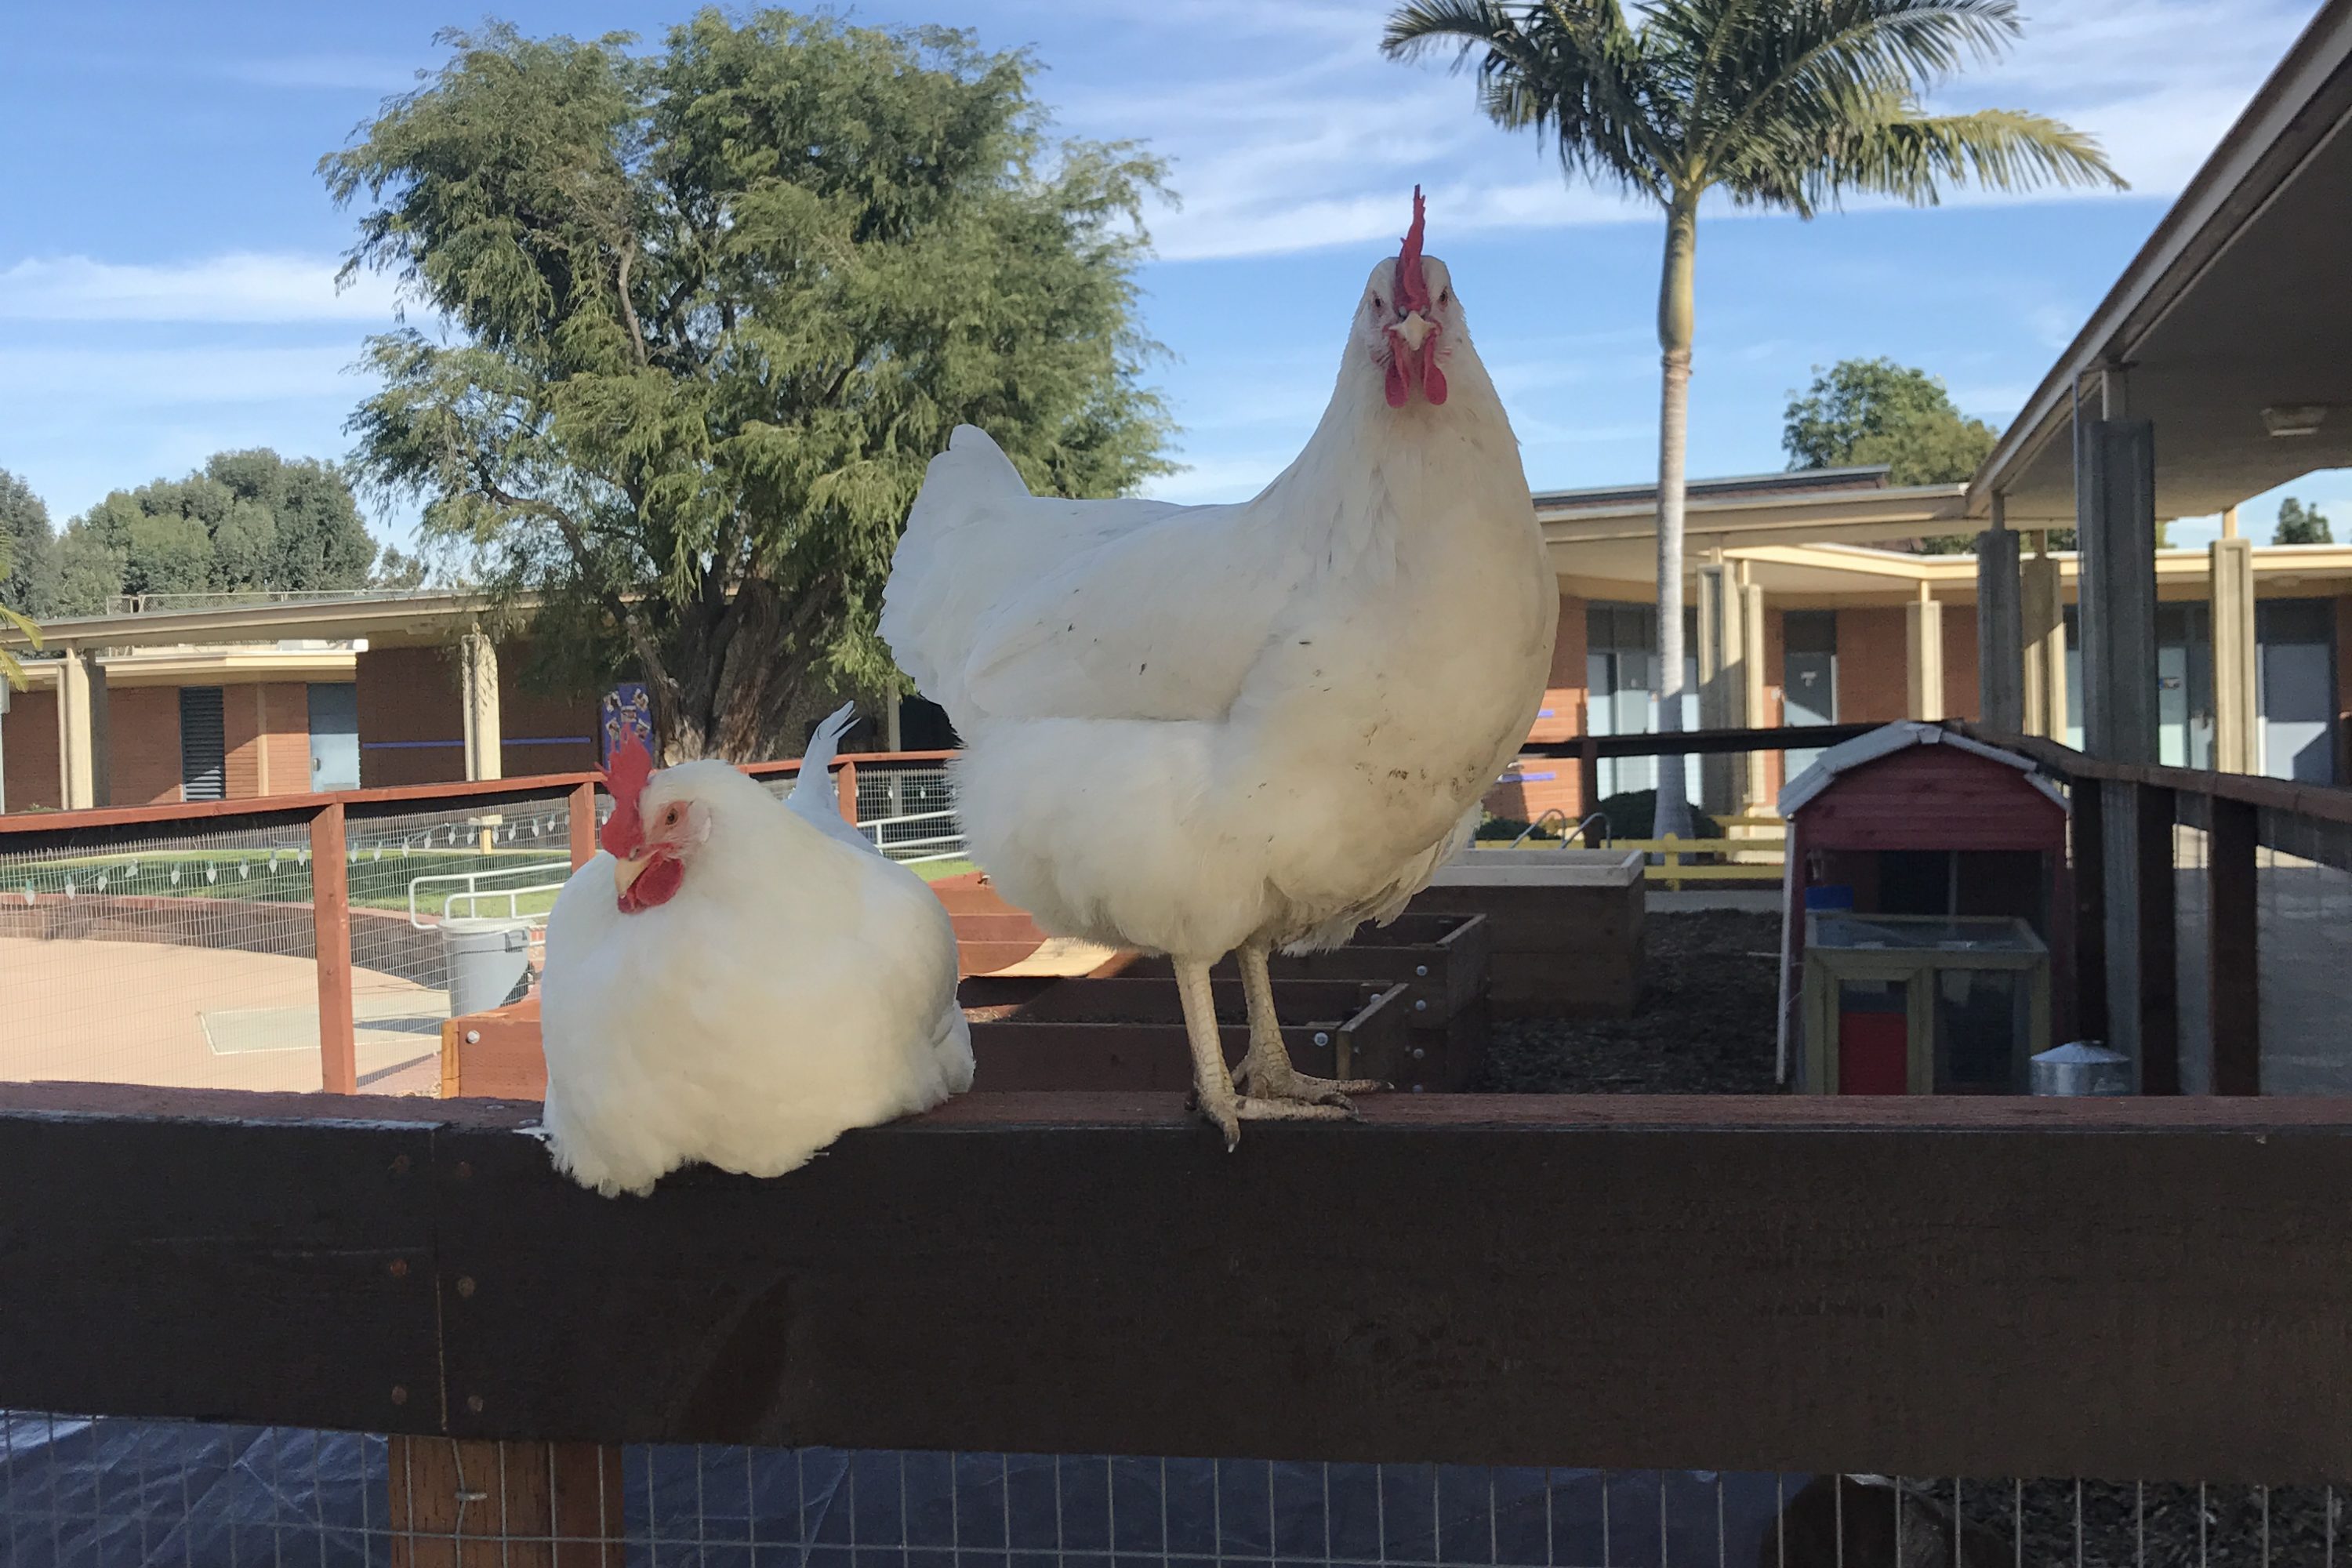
{"x":163,"y":953}
{"x":150,"y":1494}
{"x":448,"y":913}
{"x":2303,"y":937}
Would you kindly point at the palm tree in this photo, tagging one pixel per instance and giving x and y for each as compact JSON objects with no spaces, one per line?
{"x":1782,"y":104}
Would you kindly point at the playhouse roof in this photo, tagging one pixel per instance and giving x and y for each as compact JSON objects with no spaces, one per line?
{"x":1886,"y":740}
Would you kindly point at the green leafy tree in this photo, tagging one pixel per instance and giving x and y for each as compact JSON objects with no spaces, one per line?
{"x":1864,"y":412}
{"x":2301,"y":524}
{"x":28,"y":567}
{"x":1787,"y":105}
{"x":29,"y":580}
{"x":245,"y":523}
{"x":713,"y":308}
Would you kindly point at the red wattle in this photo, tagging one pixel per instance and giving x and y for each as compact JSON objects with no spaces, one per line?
{"x":1433,"y":380}
{"x":657,"y":884}
{"x":1400,"y":388}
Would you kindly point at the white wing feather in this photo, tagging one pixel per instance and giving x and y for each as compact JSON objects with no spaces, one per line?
{"x":1005,"y":604}
{"x":813,"y":797}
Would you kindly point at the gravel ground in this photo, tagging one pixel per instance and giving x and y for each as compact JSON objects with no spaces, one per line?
{"x":1709,"y":986}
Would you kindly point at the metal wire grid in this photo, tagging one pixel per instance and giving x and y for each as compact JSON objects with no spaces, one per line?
{"x":908,"y":811}
{"x":105,"y":1492}
{"x":2191,"y":853}
{"x":161,"y":955}
{"x":2304,"y":939}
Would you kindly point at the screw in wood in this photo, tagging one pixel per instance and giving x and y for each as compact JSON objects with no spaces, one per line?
{"x":474,"y":1403}
{"x":400,"y":1164}
{"x":473,"y":1036}
{"x":464,"y":1169}
{"x":465,"y":1285}
{"x":399,"y":1268}
{"x":399,"y":1393}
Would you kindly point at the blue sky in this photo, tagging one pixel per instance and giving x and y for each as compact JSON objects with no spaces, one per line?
{"x":167,"y":252}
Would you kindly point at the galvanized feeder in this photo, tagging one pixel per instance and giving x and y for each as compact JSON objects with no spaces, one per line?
{"x":1923,"y":1005}
{"x":2083,"y":1066}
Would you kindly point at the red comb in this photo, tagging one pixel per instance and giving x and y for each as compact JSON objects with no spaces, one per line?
{"x":1413,"y":290}
{"x":626,"y":776}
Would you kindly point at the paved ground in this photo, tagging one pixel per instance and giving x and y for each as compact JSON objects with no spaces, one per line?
{"x":138,"y":1012}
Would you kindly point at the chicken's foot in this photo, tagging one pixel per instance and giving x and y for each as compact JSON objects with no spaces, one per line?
{"x":1212,"y":1086}
{"x":1267,"y":1069}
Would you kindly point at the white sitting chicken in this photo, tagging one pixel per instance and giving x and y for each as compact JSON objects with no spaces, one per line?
{"x":1233,"y":728}
{"x":733,"y":980}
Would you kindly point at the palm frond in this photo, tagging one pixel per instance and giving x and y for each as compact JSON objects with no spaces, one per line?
{"x":1910,"y":157}
{"x":10,"y":670}
{"x":1571,"y":68}
{"x":1820,"y":64}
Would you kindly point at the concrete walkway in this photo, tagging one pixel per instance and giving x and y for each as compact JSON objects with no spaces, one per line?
{"x":141,"y":1012}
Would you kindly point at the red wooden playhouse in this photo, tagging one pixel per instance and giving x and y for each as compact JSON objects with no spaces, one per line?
{"x":1924,"y":900}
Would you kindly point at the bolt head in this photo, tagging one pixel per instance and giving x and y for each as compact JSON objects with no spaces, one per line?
{"x":1421,"y":970}
{"x":1322,"y":1038}
{"x":473,"y":1036}
{"x":465,"y":1285}
{"x":399,"y":1394}
{"x":1421,"y":1006}
{"x":399,"y":1266}
{"x":1418,"y":1053}
{"x":474,"y":1403}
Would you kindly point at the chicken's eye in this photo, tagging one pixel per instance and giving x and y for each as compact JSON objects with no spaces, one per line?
{"x":669,"y":818}
{"x":1378,"y":304}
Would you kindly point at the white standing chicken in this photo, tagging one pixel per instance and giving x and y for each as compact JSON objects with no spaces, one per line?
{"x":736,"y":980}
{"x":1233,"y":728}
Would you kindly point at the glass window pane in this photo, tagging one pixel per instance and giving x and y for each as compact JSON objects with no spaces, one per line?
{"x":1980,"y":1031}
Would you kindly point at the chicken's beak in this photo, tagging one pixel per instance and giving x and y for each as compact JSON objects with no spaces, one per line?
{"x":1414,"y":330}
{"x":627,"y":872}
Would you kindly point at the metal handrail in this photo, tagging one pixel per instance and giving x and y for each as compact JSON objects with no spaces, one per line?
{"x":473,"y":893}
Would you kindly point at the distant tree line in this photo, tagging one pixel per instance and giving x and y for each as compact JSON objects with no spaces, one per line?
{"x":245,"y":522}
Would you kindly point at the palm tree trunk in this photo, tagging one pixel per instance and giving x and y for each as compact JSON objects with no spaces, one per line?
{"x":1677,"y":309}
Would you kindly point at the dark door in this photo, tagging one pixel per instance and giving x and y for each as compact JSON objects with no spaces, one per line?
{"x":203,"y":773}
{"x":334,"y":735}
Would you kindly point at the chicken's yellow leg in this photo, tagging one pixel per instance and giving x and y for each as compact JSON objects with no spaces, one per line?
{"x":1267,"y":1069}
{"x":1212,"y":1086}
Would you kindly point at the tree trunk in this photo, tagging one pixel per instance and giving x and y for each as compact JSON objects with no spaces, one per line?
{"x":1676,"y":311}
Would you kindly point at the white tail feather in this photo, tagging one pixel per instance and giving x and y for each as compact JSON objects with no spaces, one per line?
{"x":813,"y":796}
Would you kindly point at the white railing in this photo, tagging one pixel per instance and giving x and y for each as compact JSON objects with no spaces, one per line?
{"x":472,"y":893}
{"x":915,"y":851}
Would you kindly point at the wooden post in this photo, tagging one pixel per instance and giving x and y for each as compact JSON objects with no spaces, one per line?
{"x":2088,"y":831}
{"x":2159,"y":998}
{"x":583,"y":825}
{"x":1587,"y":778}
{"x":845,"y":784}
{"x":458,"y":1503}
{"x":331,"y":936}
{"x":2233,"y":990}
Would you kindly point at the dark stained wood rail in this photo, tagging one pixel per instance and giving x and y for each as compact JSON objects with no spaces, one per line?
{"x":2159,"y":1289}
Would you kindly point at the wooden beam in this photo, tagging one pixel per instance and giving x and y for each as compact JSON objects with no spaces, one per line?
{"x":2086,"y":833}
{"x":583,"y":815}
{"x":1628,"y":1282}
{"x":2233,"y":992}
{"x":331,"y":935}
{"x":845,"y":791}
{"x":454,"y":1503}
{"x":2158,"y":934}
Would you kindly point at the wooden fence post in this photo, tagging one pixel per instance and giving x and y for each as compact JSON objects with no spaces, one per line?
{"x":468,"y":1503}
{"x":1588,"y":782}
{"x":330,"y":937}
{"x":2153,"y":815}
{"x":2087,"y":832}
{"x":2233,"y":992}
{"x":584,"y":823}
{"x":845,"y":790}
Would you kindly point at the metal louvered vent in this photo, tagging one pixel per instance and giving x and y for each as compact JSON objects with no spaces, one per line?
{"x":203,"y":771}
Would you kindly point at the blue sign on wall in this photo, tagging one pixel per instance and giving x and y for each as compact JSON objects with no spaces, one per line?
{"x":627,"y":712}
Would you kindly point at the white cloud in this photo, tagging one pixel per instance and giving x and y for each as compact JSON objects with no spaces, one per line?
{"x":236,"y":287}
{"x":49,"y":381}
{"x":337,"y":73}
{"x":1317,"y":153}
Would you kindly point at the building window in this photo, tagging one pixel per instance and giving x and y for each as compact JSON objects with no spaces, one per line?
{"x":1621,"y":687}
{"x":203,"y":772}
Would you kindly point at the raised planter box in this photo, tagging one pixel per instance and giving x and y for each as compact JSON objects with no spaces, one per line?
{"x":1566,"y":926}
{"x":1128,"y":1033}
{"x":1440,"y":959}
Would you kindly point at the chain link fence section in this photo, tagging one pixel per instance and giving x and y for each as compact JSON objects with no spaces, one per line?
{"x":166,"y":953}
{"x":177,"y":1494}
{"x":448,"y":915}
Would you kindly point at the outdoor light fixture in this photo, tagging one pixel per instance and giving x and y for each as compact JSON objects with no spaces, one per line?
{"x":2295,"y":418}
